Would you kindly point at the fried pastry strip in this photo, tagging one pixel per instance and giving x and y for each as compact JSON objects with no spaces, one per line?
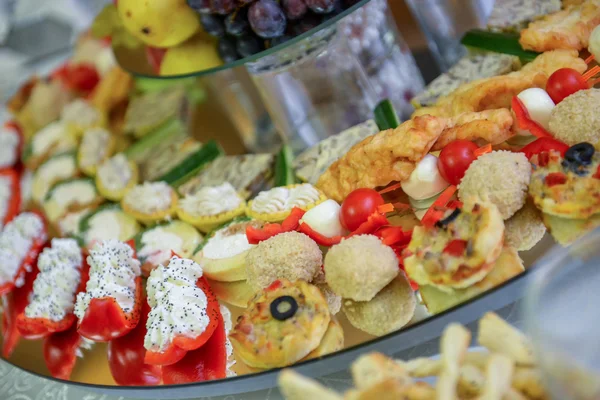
{"x":297,"y":387}
{"x":453,"y":347}
{"x":387,"y":156}
{"x":493,"y":126}
{"x":567,"y":29}
{"x":499,"y":336}
{"x":498,"y":91}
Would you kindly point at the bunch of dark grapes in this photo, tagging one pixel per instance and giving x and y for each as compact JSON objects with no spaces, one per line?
{"x":246,"y":27}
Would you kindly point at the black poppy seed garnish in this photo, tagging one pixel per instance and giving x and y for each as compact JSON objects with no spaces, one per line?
{"x":283,"y":307}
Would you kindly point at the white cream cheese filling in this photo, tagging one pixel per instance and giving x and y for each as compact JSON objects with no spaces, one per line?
{"x":282,"y":198}
{"x":55,"y":286}
{"x":211,"y":200}
{"x":149,"y":197}
{"x":113,"y":273}
{"x":178,"y":305}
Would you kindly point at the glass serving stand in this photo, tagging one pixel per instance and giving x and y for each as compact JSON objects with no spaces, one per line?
{"x":315,"y":85}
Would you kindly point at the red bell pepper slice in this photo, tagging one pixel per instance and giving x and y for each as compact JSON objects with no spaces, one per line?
{"x":209,"y":362}
{"x":525,"y":122}
{"x":437,"y":209}
{"x":29,"y":260}
{"x":105,"y":320}
{"x":394,"y":236}
{"x":181,"y":344}
{"x":456,"y":247}
{"x":371,"y":225}
{"x":555,"y":178}
{"x":321,"y":240}
{"x":60,"y":352}
{"x":14,"y":303}
{"x":42,"y":327}
{"x":126,"y":357}
{"x":597,"y":174}
{"x":81,"y":78}
{"x":14,"y":202}
{"x":289,"y":224}
{"x":544,"y":144}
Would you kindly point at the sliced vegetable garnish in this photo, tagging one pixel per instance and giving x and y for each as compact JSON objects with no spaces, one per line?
{"x":291,"y":223}
{"x":20,"y":244}
{"x":483,"y":150}
{"x":525,"y":122}
{"x":436,"y":211}
{"x":544,"y":144}
{"x":317,"y":237}
{"x":456,"y":247}
{"x":385,"y":116}
{"x":126,"y":357}
{"x":284,"y":170}
{"x":555,"y":178}
{"x":506,"y":43}
{"x":192,"y":164}
{"x":391,"y":188}
{"x":110,"y":306}
{"x":183,"y":310}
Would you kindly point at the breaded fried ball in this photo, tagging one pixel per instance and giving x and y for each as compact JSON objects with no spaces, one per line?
{"x":333,"y":300}
{"x":390,"y":310}
{"x":359,"y":267}
{"x":524,"y":229}
{"x":576,"y":118}
{"x":292,"y":255}
{"x":500,"y":177}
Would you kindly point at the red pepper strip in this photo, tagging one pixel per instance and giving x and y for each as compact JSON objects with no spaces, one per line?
{"x":41,"y":327}
{"x":555,"y":178}
{"x":454,"y":204}
{"x":524,"y":120}
{"x":321,"y":240}
{"x":456,"y":247}
{"x":14,"y":303}
{"x":371,"y":225}
{"x":544,"y":144}
{"x":483,"y":150}
{"x":14,"y":202}
{"x":181,"y":344}
{"x":105,"y":320}
{"x":28,"y":263}
{"x":209,"y":362}
{"x":434,"y":213}
{"x":126,"y":357}
{"x":60,"y":352}
{"x":391,"y":188}
{"x":402,"y":206}
{"x":393,"y":236}
{"x":291,"y":223}
{"x":597,"y":174}
{"x":385,"y":208}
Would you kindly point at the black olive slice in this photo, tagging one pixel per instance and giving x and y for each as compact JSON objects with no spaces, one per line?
{"x":453,"y":215}
{"x":580,"y":153}
{"x":283,"y":307}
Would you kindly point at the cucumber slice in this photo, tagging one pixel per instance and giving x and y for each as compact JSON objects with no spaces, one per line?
{"x":284,"y":167}
{"x":70,"y":195}
{"x":56,"y":169}
{"x":506,"y":43}
{"x":139,"y":151}
{"x":154,"y":244}
{"x":385,"y":116}
{"x":108,"y":222}
{"x":192,"y":164}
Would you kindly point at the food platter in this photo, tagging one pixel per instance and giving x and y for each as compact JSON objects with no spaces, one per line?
{"x":171,"y":267}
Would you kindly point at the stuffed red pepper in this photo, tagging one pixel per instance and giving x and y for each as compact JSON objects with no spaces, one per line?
{"x":61,"y":275}
{"x":110,"y":306}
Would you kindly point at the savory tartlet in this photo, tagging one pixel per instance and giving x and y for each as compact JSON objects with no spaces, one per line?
{"x":104,"y":223}
{"x":211,"y":206}
{"x":223,"y":252}
{"x":70,"y":195}
{"x":116,"y":176}
{"x":97,"y":145}
{"x":57,"y":168}
{"x":150,"y":202}
{"x":79,"y":115}
{"x":156,"y":245}
{"x":459,"y":250}
{"x":276,"y":204}
{"x":52,"y":139}
{"x":567,"y":187}
{"x":282,"y":324}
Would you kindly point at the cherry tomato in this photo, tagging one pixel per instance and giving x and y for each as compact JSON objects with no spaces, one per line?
{"x":358,"y":207}
{"x":83,"y":77}
{"x":563,"y":83}
{"x":455,"y":158}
